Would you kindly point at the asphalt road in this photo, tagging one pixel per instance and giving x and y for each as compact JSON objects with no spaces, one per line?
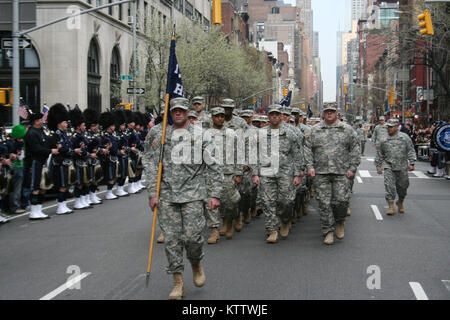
{"x":101,"y":253}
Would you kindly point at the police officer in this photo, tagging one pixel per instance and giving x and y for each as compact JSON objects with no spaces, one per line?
{"x":279,"y":176}
{"x":37,"y":150}
{"x":396,"y":155}
{"x":332,"y":158}
{"x":183,"y":189}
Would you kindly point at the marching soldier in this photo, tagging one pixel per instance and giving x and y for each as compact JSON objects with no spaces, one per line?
{"x":62,"y":162}
{"x":110,"y":152}
{"x":183,"y":189}
{"x":203,"y":117}
{"x":193,"y":117}
{"x":332,"y":158}
{"x":94,"y":148}
{"x":277,"y":183}
{"x":224,"y":140}
{"x":37,"y":150}
{"x":396,"y":155}
{"x":362,"y":138}
{"x":380,"y":132}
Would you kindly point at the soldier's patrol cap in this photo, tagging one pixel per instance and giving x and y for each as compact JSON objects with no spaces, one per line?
{"x":382,"y":118}
{"x":274,"y":108}
{"x":314,"y":119}
{"x":330,"y":106}
{"x":264,"y":118}
{"x":198,"y":99}
{"x":295,"y":111}
{"x":292,"y":119}
{"x":247,"y":113}
{"x":193,"y":114}
{"x":256,"y":118}
{"x":228,"y":103}
{"x":180,"y":103}
{"x":302,"y":113}
{"x":217,"y":110}
{"x":392,"y":123}
{"x":286,"y":110}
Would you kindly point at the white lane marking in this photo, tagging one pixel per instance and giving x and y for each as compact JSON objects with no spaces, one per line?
{"x":371,"y":159}
{"x":421,"y":175}
{"x":446,"y":284}
{"x":65,"y":286}
{"x":376,"y":212}
{"x":365,"y":174}
{"x":418,"y":291}
{"x":359,"y":179}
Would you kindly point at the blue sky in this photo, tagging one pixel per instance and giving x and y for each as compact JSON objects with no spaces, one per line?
{"x":328,"y":15}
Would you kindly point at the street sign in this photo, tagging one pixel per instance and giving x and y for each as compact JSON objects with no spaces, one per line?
{"x":126,"y":77}
{"x":138,"y":91}
{"x":7,"y":43}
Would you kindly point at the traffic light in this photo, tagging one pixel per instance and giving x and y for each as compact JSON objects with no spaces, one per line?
{"x":345,"y":90}
{"x":217,"y":12}
{"x":426,"y":23}
{"x":6,"y":97}
{"x":346,"y":107}
{"x":254,"y":100}
{"x":285,"y":92}
{"x":391,"y":96}
{"x":304,"y":106}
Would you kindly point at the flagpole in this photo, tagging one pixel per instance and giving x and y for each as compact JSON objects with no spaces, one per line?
{"x":158,"y":181}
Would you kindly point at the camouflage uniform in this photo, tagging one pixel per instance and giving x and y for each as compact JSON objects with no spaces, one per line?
{"x":380,"y":134}
{"x":362,"y":136}
{"x":183,"y":190}
{"x":332,"y":151}
{"x":277,"y":188}
{"x":394,"y":155}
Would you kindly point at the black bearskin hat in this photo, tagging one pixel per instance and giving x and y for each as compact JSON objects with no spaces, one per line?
{"x":56,"y":114}
{"x":106,"y":120}
{"x":76,"y":118}
{"x":129,"y":116}
{"x":120,"y":117}
{"x":91,"y":116}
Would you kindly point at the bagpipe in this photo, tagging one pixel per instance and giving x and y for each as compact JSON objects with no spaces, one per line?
{"x":441,"y":136}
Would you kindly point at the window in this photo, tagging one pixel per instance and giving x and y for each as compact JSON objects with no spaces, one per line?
{"x":189,"y":10}
{"x":145,"y":14}
{"x":98,"y":2}
{"x":110,"y":9}
{"x":114,"y":90}
{"x":120,"y":12}
{"x":178,"y":5}
{"x":31,"y":59}
{"x":94,"y":77}
{"x":275,"y":10}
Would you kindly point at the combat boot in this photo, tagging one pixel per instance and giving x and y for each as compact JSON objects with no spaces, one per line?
{"x":329,"y":238}
{"x":178,"y":287}
{"x":273,"y":237}
{"x":214,"y":237}
{"x":340,"y":228}
{"x":254,"y":212}
{"x":198,"y":274}
{"x":300,"y":211}
{"x":391,"y":210}
{"x":223,"y":231}
{"x":401,"y":209}
{"x":238,"y":224}
{"x":349,"y":212}
{"x":305,"y":208}
{"x":160,"y":238}
{"x":230,"y":229}
{"x":247,"y":217}
{"x":284,"y":230}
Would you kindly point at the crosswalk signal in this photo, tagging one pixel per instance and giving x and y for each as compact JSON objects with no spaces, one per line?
{"x":217,"y":12}
{"x":426,"y":23}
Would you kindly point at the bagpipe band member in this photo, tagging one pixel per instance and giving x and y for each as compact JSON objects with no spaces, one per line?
{"x":94,"y":148}
{"x":37,"y":150}
{"x":62,"y":164}
{"x":123,"y":151}
{"x":80,"y":157}
{"x":109,"y":153}
{"x":133,"y":143}
{"x":141,"y":130}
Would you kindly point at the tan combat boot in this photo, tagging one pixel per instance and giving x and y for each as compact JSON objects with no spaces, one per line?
{"x":230,"y":229}
{"x":247,"y":217}
{"x":160,"y":238}
{"x":340,"y":228}
{"x":391,"y":210}
{"x":224,"y":228}
{"x":300,"y":211}
{"x":401,"y":209}
{"x":238,"y":224}
{"x":273,"y":237}
{"x":329,"y":238}
{"x":214,"y":237}
{"x":198,"y":274}
{"x":284,"y":230}
{"x":305,"y":208}
{"x":178,"y":288}
{"x":254,"y":212}
{"x":349,"y":212}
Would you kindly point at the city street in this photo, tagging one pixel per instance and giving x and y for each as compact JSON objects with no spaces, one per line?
{"x":103,"y":252}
